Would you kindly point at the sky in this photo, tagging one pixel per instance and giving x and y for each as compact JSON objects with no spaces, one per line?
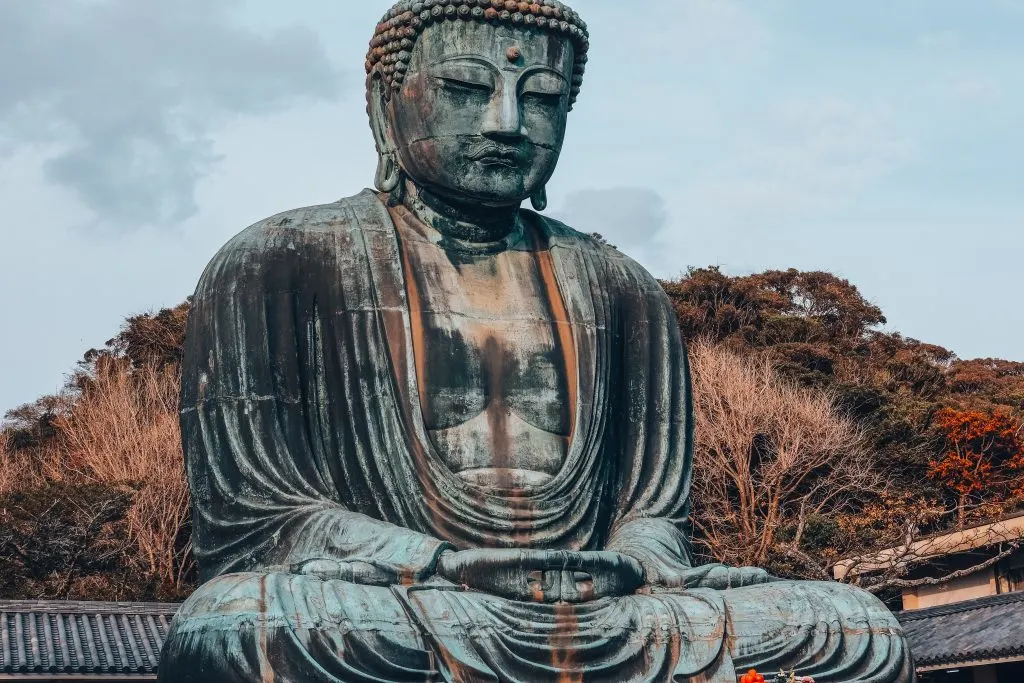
{"x":881,"y":140}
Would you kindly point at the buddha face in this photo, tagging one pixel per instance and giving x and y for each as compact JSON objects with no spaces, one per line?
{"x":482,"y":111}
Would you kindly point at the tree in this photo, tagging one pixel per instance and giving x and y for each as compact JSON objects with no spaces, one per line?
{"x":123,"y":431}
{"x":822,"y":333}
{"x":113,"y":428}
{"x":771,"y":308}
{"x":61,"y":536}
{"x":984,"y":457}
{"x":989,"y":382}
{"x":775,"y":465}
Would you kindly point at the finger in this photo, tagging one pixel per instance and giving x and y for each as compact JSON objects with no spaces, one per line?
{"x":328,"y":569}
{"x":607,"y":561}
{"x":579,"y":587}
{"x":545,"y":585}
{"x":629,"y":570}
{"x":557,"y":586}
{"x":540,"y":559}
{"x":746,"y":576}
{"x":758,"y":576}
{"x":370,"y":575}
{"x":719,"y":578}
{"x":635,"y":567}
{"x":561,"y":560}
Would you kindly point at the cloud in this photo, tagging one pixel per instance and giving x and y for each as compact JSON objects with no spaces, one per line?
{"x":716,"y":29}
{"x":940,"y":40}
{"x":629,"y":218}
{"x":125,"y":95}
{"x":673,"y":35}
{"x":983,"y":89}
{"x":807,"y":154}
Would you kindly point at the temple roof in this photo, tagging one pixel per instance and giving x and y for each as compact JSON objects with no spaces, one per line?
{"x":49,"y":640}
{"x":985,"y":629}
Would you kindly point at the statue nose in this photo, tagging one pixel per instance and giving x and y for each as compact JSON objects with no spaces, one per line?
{"x":503,"y":121}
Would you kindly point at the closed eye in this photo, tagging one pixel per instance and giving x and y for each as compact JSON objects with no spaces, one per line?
{"x":545,"y":97}
{"x":458,"y":84}
{"x":543,"y":86}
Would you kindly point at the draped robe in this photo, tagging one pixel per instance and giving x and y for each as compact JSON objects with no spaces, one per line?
{"x":304,"y":440}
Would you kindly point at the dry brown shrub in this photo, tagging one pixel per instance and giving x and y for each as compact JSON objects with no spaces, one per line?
{"x":7,"y":466}
{"x":123,"y":431}
{"x":20,"y":469}
{"x":769,"y":456}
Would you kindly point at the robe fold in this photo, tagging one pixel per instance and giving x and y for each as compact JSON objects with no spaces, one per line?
{"x":304,"y":441}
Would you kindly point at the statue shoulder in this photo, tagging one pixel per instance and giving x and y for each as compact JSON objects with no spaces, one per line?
{"x":597,"y":248}
{"x":310,"y":224}
{"x":565,"y":235}
{"x":293,"y":238}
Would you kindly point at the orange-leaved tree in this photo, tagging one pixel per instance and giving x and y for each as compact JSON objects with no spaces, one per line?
{"x":983,"y":462}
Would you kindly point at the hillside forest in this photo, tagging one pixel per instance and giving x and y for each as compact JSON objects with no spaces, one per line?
{"x":819,"y":436}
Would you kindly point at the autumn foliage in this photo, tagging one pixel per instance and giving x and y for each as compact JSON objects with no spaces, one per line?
{"x":93,"y":498}
{"x":941,"y":433}
{"x":984,"y":457}
{"x":819,"y":435}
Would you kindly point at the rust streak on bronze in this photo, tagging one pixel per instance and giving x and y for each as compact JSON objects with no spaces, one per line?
{"x":563,"y":328}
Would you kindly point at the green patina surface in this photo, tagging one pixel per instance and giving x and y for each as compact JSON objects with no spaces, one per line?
{"x":433,"y":436}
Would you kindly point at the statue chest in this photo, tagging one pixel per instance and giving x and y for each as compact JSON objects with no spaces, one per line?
{"x":491,"y":363}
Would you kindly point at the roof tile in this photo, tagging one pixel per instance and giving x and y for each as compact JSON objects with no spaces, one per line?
{"x":49,"y":637}
{"x":984,"y":628}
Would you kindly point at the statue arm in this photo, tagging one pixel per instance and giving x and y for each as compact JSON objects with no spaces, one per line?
{"x":272,"y":479}
{"x":653,"y":518}
{"x":664,"y":553}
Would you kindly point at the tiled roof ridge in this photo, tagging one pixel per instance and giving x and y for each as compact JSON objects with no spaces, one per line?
{"x":54,"y":637}
{"x":960,"y":607}
{"x":972,"y":656}
{"x":88,"y":607}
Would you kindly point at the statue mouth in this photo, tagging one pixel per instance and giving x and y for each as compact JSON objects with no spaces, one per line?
{"x":493,"y":155}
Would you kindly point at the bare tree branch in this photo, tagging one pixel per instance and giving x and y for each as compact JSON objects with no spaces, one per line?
{"x":886,"y":584}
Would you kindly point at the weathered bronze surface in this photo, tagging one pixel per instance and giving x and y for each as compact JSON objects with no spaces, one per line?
{"x":432,"y":436}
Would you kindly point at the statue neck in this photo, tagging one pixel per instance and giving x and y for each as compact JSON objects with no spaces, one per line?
{"x":472,"y":223}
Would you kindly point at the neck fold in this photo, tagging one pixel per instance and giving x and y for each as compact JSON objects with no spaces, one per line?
{"x":472,"y":223}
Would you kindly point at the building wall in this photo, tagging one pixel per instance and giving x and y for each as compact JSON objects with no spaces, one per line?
{"x":986,"y":674}
{"x":994,"y":673}
{"x":965,"y":588}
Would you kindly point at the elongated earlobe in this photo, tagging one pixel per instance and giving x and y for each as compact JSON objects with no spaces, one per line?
{"x":389,"y":177}
{"x":389,"y":173}
{"x":539,"y":199}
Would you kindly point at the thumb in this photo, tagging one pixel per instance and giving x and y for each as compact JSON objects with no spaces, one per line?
{"x":353,"y":571}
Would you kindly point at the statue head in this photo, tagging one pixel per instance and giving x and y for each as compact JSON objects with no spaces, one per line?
{"x":469,"y":98}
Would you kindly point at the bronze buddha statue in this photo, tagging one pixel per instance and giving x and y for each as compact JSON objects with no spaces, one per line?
{"x":432,"y":436}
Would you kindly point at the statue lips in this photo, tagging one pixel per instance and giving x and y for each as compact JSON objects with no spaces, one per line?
{"x":497,"y":155}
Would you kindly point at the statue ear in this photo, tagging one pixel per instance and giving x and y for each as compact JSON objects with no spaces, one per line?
{"x":539,"y":199}
{"x":389,"y":173}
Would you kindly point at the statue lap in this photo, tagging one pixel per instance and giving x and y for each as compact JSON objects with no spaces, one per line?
{"x":290,"y":628}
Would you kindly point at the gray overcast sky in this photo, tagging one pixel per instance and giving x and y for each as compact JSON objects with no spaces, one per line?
{"x":880,"y":140}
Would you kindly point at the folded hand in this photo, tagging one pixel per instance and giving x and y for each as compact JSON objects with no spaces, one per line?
{"x":715,"y":576}
{"x":353,"y":571}
{"x":543,"y":575}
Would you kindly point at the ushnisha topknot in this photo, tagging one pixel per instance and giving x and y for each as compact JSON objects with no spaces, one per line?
{"x":396,"y":34}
